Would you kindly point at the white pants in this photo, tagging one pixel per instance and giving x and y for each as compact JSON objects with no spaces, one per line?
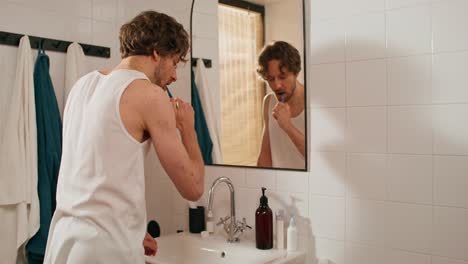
{"x":74,"y":241}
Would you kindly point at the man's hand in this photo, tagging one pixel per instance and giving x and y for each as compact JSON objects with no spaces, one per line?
{"x":185,"y":116}
{"x":150,"y":245}
{"x":282,"y":113}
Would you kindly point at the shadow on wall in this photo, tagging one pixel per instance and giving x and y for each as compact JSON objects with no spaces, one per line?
{"x":363,"y":126}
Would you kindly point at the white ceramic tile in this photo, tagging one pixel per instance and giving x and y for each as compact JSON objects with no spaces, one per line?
{"x":206,"y":26}
{"x":365,"y":221}
{"x":363,"y":254}
{"x":450,"y":77}
{"x":327,"y":173}
{"x":451,"y":181}
{"x":365,"y":37}
{"x":257,"y":178}
{"x":410,"y":129}
{"x":403,"y":257}
{"x":204,"y":47}
{"x":450,"y":233}
{"x":105,"y":10}
{"x":247,"y":201}
{"x":450,"y":129}
{"x":366,"y":83}
{"x":448,"y":16}
{"x":409,"y":31}
{"x":236,"y":175}
{"x":364,"y":6}
{"x":366,"y":129}
{"x":328,"y":127}
{"x":292,"y":204}
{"x":366,"y":176}
{"x":327,"y":9}
{"x":83,"y":31}
{"x":409,"y":80}
{"x":292,"y":181}
{"x":206,"y":6}
{"x":408,"y":227}
{"x":327,"y":215}
{"x":104,"y":33}
{"x":327,"y":42}
{"x":441,"y":260}
{"x":392,"y":4}
{"x":327,"y":85}
{"x":331,"y":250}
{"x":410,"y":178}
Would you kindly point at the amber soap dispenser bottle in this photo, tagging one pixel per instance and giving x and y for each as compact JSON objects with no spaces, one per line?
{"x":264,"y":224}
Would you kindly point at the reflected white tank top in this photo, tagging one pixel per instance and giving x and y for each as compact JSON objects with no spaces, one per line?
{"x":101,"y":179}
{"x":284,"y":153}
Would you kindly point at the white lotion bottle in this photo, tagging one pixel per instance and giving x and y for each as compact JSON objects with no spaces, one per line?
{"x":279,"y":230}
{"x":292,"y":236}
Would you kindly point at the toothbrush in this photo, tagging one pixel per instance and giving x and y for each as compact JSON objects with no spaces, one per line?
{"x":168,"y":92}
{"x":282,"y":98}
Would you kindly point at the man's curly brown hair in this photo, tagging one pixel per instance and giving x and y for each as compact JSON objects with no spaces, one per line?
{"x":150,"y":31}
{"x":287,"y":55}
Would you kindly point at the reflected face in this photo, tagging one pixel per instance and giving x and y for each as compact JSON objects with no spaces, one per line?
{"x":281,"y":81}
{"x":166,"y":70}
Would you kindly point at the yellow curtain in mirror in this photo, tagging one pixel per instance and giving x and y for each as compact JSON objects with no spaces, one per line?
{"x":242,"y":92}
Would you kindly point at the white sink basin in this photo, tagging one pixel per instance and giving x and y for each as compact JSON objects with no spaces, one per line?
{"x":185,"y":248}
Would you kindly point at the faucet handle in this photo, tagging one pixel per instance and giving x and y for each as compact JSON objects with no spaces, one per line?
{"x":243,"y":225}
{"x":222,"y":220}
{"x":244,"y":222}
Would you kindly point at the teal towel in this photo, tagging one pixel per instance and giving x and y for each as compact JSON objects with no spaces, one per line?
{"x":49,"y":152}
{"x":203,"y":134}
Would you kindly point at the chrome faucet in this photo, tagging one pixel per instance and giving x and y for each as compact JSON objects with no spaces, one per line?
{"x":233,"y":229}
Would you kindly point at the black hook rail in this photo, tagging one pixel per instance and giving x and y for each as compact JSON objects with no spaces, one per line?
{"x":207,"y":62}
{"x":13,"y":39}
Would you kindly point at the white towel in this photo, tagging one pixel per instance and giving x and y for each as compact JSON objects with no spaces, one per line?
{"x":75,"y":67}
{"x":18,"y":165}
{"x":210,"y":113}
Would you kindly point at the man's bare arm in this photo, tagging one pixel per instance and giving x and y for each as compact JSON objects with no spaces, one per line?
{"x":181,"y":160}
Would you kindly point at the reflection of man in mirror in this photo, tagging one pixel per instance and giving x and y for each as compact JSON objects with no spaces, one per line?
{"x":111,"y":119}
{"x":283,"y":144}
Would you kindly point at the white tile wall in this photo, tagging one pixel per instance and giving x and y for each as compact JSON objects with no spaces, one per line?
{"x":327,"y":41}
{"x":366,"y":83}
{"x":328,"y":129}
{"x":450,"y":86}
{"x":448,"y":16}
{"x":409,"y":178}
{"x":327,"y":216}
{"x":327,"y":173}
{"x":450,"y":233}
{"x":366,"y":129}
{"x":450,"y":129}
{"x":410,"y":129}
{"x":451,"y":181}
{"x":409,"y":31}
{"x":409,"y":80}
{"x":366,"y":176}
{"x":408,"y":227}
{"x":365,"y":37}
{"x":328,"y":82}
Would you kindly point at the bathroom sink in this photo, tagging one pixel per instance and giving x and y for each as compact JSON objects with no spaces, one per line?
{"x":185,"y":248}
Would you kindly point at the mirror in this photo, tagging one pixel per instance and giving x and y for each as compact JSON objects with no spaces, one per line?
{"x":248,"y":79}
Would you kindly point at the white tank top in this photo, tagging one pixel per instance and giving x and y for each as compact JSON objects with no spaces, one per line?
{"x":101,"y":177}
{"x":284,"y":153}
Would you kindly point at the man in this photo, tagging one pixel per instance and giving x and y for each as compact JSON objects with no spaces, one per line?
{"x":283,"y":143}
{"x":110,"y":118}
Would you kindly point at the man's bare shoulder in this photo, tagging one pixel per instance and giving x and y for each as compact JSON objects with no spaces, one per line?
{"x":144,"y":94}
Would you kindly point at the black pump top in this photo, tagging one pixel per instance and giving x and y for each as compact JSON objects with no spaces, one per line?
{"x":263,"y":199}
